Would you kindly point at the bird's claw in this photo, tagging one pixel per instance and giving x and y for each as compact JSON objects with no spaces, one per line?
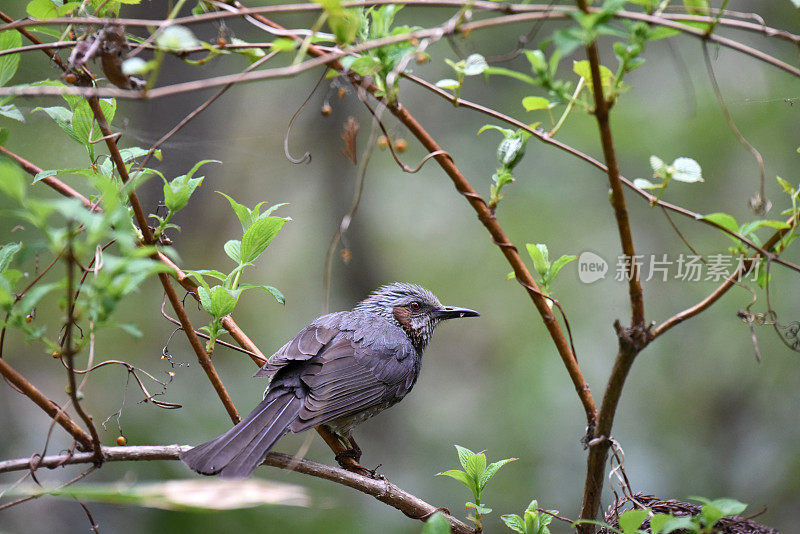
{"x":351,"y":454}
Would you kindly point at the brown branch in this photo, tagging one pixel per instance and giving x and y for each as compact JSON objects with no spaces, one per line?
{"x":52,"y":181}
{"x":631,"y":340}
{"x":601,"y":112}
{"x":51,"y":408}
{"x":379,"y":488}
{"x":197,"y":345}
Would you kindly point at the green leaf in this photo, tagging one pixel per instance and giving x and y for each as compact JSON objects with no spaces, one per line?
{"x":505,"y":131}
{"x":696,"y":7}
{"x":659,"y":521}
{"x":538,"y":254}
{"x":436,"y":524}
{"x":137,"y":65}
{"x":176,"y":38}
{"x":501,"y":71}
{"x":243,"y":213}
{"x":686,"y":170}
{"x":787,"y":187}
{"x":200,"y":273}
{"x":476,"y":467}
{"x":269,"y":289}
{"x":673,"y":524}
{"x":583,"y":69}
{"x":658,"y":165}
{"x":475,"y":64}
{"x":12,"y":183}
{"x":233,"y":250}
{"x":532,"y":103}
{"x":631,"y":520}
{"x":558,"y":264}
{"x":463,"y":455}
{"x":642,"y":183}
{"x":63,"y":117}
{"x":178,"y":191}
{"x":223,"y":300}
{"x":284,"y":44}
{"x":729,"y":506}
{"x":7,"y":254}
{"x":459,"y":475}
{"x":448,"y":83}
{"x":511,"y":149}
{"x":748,"y":228}
{"x":366,"y":66}
{"x":722,"y":219}
{"x":344,"y":23}
{"x":204,"y":294}
{"x":537,"y":60}
{"x":662,"y":32}
{"x":514,"y":522}
{"x":490,"y":471}
{"x":42,"y":9}
{"x":479,"y":508}
{"x":82,"y":121}
{"x":10,"y":62}
{"x":258,"y":237}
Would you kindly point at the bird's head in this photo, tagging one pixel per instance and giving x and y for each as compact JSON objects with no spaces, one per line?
{"x":412,"y":307}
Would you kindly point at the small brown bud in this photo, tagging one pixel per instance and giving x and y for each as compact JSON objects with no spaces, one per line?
{"x":326,"y":110}
{"x":347,"y":255}
{"x":121,"y":441}
{"x":383,"y":142}
{"x":56,"y":355}
{"x":413,"y":41}
{"x":422,"y":58}
{"x":221,"y":41}
{"x":28,"y":318}
{"x":70,"y":78}
{"x":401,"y":145}
{"x":342,"y":92}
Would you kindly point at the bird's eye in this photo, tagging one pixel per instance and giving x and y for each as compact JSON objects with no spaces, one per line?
{"x":415,"y":305}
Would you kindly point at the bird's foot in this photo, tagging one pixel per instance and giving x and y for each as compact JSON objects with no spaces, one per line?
{"x":352,"y":465}
{"x":348,"y":454}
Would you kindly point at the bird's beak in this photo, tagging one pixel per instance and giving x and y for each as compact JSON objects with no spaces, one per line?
{"x":452,"y":312}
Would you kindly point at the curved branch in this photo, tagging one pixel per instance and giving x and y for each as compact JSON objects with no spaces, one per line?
{"x":380,"y":488}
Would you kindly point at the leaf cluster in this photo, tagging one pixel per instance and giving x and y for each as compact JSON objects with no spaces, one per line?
{"x":475,"y":475}
{"x":258,"y":230}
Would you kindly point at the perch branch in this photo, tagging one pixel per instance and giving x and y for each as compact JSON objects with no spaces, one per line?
{"x":381,"y":489}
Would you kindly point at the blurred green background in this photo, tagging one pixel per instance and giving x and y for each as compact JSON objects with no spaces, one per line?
{"x":699,"y":415}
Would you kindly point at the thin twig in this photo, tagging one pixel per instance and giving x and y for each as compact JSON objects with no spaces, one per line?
{"x":68,"y":351}
{"x":760,"y":204}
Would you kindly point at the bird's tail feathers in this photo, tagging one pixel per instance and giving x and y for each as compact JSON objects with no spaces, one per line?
{"x":237,"y":452}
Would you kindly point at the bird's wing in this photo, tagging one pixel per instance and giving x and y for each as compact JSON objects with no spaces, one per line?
{"x":355,"y":373}
{"x":304,"y":346}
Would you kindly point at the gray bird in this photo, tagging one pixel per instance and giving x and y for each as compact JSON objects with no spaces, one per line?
{"x":340,"y":370}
